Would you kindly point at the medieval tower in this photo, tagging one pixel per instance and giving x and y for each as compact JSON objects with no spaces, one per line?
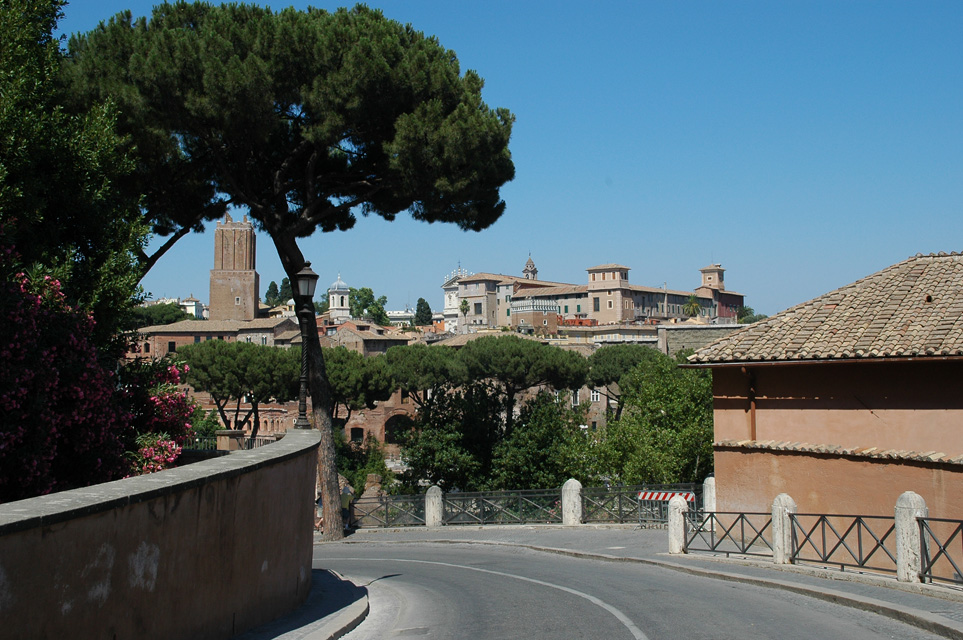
{"x":234,"y":282}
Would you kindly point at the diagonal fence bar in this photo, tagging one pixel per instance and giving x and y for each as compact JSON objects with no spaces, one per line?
{"x":861,"y":542}
{"x":503,"y":507}
{"x":941,"y":550}
{"x":729,"y":532}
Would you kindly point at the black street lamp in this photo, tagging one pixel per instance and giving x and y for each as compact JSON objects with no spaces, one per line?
{"x":307,"y":280}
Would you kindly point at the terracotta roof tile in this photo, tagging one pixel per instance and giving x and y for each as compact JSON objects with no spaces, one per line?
{"x":913,"y":308}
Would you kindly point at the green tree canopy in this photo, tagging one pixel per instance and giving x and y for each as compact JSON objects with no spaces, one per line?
{"x":422,"y":313}
{"x":272,"y":297}
{"x":609,"y":365}
{"x":158,"y":314}
{"x":516,"y":364}
{"x":691,"y":308}
{"x":60,"y":208}
{"x":544,"y":448}
{"x":747,"y":315}
{"x":285,"y":293}
{"x":665,"y":433}
{"x":356,"y":381}
{"x":363,"y":304}
{"x":424,"y":372}
{"x":230,"y":371}
{"x":305,"y":119}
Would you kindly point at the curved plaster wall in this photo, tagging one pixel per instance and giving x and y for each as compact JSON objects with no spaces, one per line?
{"x":207,"y":550}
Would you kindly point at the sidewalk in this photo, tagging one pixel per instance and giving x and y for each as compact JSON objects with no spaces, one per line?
{"x":935,"y":608}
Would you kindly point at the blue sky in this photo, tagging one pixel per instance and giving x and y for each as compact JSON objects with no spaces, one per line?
{"x":802,"y":145}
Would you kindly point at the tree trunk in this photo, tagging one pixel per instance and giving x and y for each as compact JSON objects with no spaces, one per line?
{"x":293,"y":261}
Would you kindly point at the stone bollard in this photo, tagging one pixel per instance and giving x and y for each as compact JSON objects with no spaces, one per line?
{"x":909,"y":562}
{"x":571,"y":502}
{"x":678,"y":507}
{"x":229,"y":439}
{"x":434,"y":507}
{"x":709,"y":502}
{"x":709,"y":495}
{"x":782,"y":506}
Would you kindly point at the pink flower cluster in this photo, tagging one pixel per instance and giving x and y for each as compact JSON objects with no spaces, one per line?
{"x":61,"y":426}
{"x":160,"y":454}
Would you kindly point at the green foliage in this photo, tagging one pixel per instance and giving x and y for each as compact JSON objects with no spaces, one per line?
{"x":424,"y":371}
{"x":356,"y":382}
{"x":322,"y":306}
{"x":363,"y":304}
{"x":665,"y":433}
{"x":609,"y":365}
{"x":453,"y":447}
{"x":691,"y":308}
{"x":272,"y":297}
{"x":205,"y":423}
{"x":60,"y":207}
{"x":158,"y":314}
{"x":422,"y":313}
{"x":285,"y":293}
{"x":747,"y":315}
{"x":516,"y":364}
{"x":357,"y":461}
{"x":544,"y":449}
{"x":232,"y":370}
{"x":340,"y":110}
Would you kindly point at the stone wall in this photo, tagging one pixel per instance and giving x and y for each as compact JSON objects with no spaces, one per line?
{"x":675,"y":338}
{"x":207,"y":550}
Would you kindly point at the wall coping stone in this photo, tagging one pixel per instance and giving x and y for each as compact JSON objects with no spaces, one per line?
{"x":874,"y":453}
{"x":58,"y":507}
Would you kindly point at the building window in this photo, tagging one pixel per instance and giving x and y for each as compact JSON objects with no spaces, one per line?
{"x":603,"y":276}
{"x":575,"y":398}
{"x":264,"y":341}
{"x":508,"y":312}
{"x":237,"y":300}
{"x":558,"y":397}
{"x":578,"y":308}
{"x":404,"y":396}
{"x":146,"y":347}
{"x":594,"y":425}
{"x":197,"y":339}
{"x":593,"y":277}
{"x":208,"y":338}
{"x":478,"y":308}
{"x":566,"y":308}
{"x":595,"y":303}
{"x":596,"y":396}
{"x":171,"y":347}
{"x":544,"y":323}
{"x":610,"y":304}
{"x":357,"y":434}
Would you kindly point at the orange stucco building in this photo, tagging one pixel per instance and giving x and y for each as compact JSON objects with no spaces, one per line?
{"x":847,"y":400}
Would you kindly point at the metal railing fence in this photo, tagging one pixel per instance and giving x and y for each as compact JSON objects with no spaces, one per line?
{"x":201,"y":443}
{"x":941,"y":550}
{"x":864,"y":542}
{"x":503,"y":507}
{"x":729,"y":532}
{"x":388,"y":511}
{"x":622,"y":504}
{"x":259,"y":441}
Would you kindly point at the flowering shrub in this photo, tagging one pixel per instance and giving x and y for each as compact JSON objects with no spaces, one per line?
{"x":155,"y":452}
{"x":61,"y":426}
{"x":161,"y":413}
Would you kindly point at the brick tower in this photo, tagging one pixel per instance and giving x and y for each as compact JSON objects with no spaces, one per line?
{"x":234,"y":282}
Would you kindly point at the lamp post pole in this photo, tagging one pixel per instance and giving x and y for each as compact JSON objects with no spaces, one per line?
{"x":307,"y":280}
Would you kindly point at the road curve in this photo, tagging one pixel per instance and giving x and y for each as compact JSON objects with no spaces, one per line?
{"x":470,"y":591}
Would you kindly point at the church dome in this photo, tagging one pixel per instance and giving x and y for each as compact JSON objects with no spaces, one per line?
{"x":338,"y":285}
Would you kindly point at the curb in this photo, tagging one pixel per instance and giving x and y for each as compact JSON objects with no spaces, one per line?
{"x":915,"y":617}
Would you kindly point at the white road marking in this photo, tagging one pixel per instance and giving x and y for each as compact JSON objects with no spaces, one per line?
{"x":621,"y":617}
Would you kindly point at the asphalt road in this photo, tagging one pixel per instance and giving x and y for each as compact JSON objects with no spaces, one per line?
{"x":430,"y":590}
